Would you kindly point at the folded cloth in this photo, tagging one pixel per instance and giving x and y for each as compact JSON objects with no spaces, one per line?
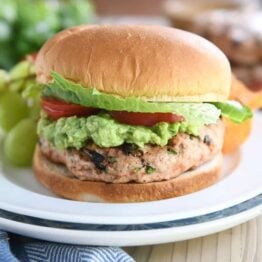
{"x":14,"y":248}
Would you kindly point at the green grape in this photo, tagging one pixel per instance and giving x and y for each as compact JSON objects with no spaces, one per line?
{"x":19,"y":75}
{"x":32,"y":90}
{"x":22,"y":69}
{"x":35,"y":109}
{"x":19,"y":144}
{"x":4,"y":78}
{"x":13,"y":108}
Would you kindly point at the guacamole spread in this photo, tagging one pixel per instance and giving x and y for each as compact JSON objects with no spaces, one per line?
{"x":106,"y":132}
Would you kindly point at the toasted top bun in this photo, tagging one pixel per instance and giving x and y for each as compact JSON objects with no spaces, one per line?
{"x":155,"y":63}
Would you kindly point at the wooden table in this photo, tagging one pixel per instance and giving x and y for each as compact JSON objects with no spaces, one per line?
{"x":239,"y":244}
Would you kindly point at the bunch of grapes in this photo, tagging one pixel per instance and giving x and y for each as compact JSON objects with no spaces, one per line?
{"x":19,"y":111}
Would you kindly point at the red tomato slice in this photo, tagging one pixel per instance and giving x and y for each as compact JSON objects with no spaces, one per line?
{"x":145,"y":119}
{"x":57,"y":109}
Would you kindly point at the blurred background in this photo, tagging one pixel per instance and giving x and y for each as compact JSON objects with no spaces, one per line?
{"x":235,"y":26}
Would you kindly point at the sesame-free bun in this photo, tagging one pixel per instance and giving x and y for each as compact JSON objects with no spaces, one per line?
{"x":58,"y":179}
{"x":152,"y":62}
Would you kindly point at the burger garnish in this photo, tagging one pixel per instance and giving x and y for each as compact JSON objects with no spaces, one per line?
{"x":123,"y":131}
{"x":150,"y":169}
{"x":107,"y":127}
{"x":56,"y":109}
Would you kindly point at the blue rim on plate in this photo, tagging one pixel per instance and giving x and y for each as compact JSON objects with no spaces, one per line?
{"x":239,"y":208}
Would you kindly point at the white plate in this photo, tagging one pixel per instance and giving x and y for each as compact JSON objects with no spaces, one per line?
{"x":133,"y":235}
{"x":22,"y":194}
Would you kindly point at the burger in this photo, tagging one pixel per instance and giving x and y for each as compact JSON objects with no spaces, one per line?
{"x":131,"y":113}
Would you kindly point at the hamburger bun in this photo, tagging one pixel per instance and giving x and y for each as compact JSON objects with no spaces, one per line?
{"x":154,"y":63}
{"x":59,"y":180}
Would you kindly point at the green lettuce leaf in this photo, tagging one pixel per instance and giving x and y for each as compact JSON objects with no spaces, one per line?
{"x":234,"y":111}
{"x":196,"y":114}
{"x":75,"y":93}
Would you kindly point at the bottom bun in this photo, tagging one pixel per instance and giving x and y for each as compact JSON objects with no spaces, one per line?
{"x":58,"y":179}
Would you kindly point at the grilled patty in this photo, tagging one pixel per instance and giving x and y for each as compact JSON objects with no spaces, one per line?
{"x":128,"y":163}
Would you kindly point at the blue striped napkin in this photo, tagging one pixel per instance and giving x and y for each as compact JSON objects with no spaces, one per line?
{"x":14,"y":248}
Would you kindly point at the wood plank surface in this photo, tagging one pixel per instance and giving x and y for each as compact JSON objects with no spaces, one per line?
{"x":242,"y":243}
